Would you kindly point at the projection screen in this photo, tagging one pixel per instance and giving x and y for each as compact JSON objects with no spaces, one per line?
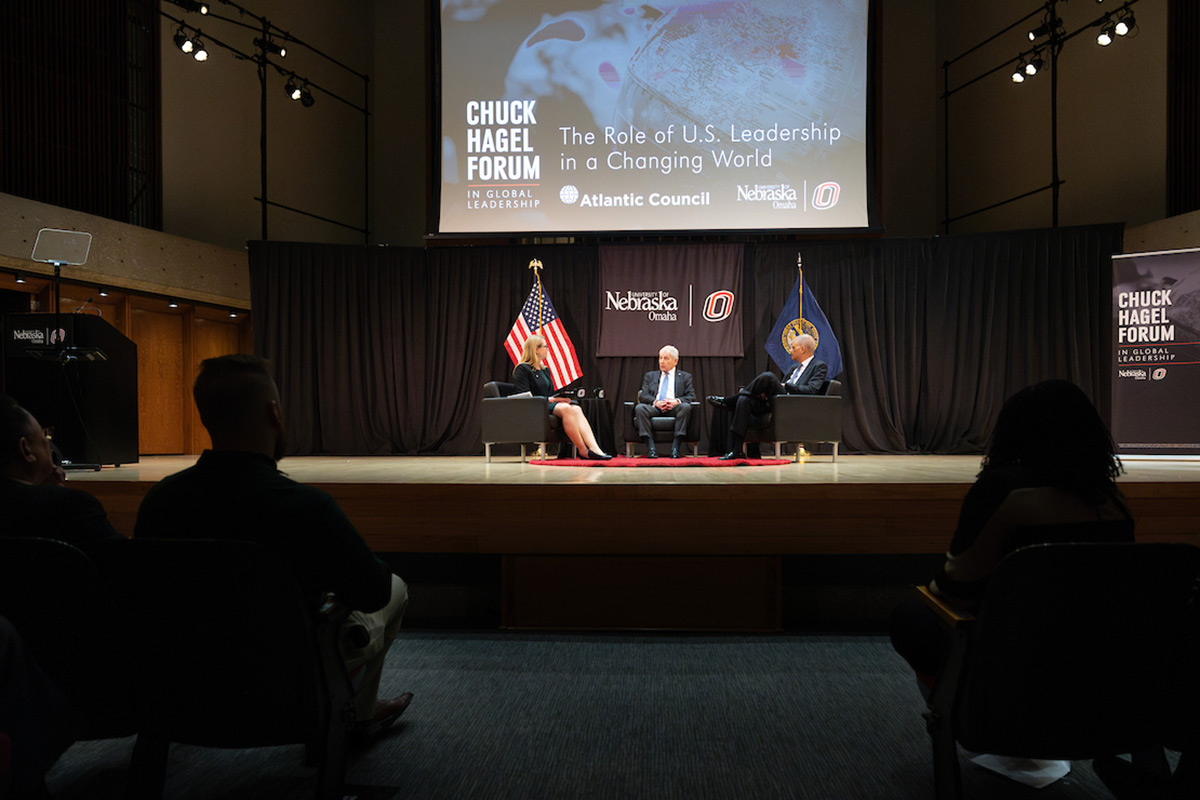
{"x":628,"y":115}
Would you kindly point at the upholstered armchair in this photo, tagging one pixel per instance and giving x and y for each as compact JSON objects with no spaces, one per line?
{"x":799,"y":418}
{"x":664,"y":429}
{"x":517,"y":420}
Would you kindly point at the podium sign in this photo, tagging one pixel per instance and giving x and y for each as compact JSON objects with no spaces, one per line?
{"x":76,"y":374}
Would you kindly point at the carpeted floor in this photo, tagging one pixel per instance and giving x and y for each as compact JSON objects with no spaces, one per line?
{"x":701,"y":461}
{"x":508,"y":715}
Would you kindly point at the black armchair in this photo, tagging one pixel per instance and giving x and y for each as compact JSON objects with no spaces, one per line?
{"x":664,"y":429}
{"x":1068,"y":657}
{"x":75,"y":626}
{"x":517,"y":420}
{"x":231,"y":653}
{"x":799,"y":418}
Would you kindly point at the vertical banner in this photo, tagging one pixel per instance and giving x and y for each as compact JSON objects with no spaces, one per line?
{"x":685,"y":295}
{"x":1156,"y":377}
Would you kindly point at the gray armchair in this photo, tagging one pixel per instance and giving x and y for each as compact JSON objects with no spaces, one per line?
{"x":664,"y":429}
{"x":799,"y":418}
{"x":517,"y":420}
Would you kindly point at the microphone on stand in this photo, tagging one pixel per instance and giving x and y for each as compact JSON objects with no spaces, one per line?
{"x":82,"y":307}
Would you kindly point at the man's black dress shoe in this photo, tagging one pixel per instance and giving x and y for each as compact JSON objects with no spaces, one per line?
{"x":651,"y":452}
{"x":675,"y":450}
{"x":730,"y":456}
{"x":721,"y":402}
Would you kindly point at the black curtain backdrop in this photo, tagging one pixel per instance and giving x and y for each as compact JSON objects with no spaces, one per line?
{"x":382,"y":350}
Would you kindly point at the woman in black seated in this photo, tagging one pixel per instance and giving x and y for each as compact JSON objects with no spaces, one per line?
{"x":531,"y":376}
{"x":1051,"y":464}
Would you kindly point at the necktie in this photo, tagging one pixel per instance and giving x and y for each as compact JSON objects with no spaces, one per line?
{"x":662,"y":386}
{"x":795,"y":375}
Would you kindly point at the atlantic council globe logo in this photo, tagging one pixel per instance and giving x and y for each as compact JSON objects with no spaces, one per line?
{"x":568,"y":194}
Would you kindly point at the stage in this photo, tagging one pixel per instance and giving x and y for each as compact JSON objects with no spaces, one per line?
{"x":564,"y":534}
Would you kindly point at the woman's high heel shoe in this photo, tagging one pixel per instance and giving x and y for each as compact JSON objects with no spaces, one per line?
{"x":590,"y":456}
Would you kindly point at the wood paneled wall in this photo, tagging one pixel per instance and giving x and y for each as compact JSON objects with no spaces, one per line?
{"x":171,"y":343}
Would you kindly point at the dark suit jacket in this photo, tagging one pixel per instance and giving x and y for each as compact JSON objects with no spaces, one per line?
{"x":684,"y":392}
{"x":52,"y":512}
{"x":811,"y":380}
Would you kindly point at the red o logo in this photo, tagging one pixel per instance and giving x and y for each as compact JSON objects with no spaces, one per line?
{"x":826,"y":195}
{"x":718,"y":305}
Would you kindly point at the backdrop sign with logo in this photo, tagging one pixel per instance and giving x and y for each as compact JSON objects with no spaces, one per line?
{"x":688,"y":296}
{"x":1156,"y":378}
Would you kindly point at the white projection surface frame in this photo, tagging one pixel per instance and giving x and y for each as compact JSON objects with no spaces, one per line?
{"x":627,"y":115}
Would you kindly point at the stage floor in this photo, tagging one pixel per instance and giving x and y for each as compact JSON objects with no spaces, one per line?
{"x":860,"y":504}
{"x":854,"y":469}
{"x":704,"y":547}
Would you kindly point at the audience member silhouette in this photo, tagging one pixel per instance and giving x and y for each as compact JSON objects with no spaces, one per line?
{"x":32,"y":492}
{"x":1050,"y":464}
{"x":236,"y":491}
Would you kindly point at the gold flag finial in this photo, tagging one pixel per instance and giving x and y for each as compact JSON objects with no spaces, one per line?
{"x":535,"y":265}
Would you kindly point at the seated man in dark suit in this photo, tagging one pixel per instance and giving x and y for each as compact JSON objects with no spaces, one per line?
{"x":665,"y":392}
{"x":32,"y":495}
{"x":236,"y":491}
{"x":757,"y":399}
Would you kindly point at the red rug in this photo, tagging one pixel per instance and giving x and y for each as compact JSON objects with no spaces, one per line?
{"x":622,"y":461}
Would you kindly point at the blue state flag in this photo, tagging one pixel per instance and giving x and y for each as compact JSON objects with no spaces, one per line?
{"x":791,"y":324}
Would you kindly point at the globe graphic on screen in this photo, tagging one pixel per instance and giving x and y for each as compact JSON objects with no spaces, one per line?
{"x":771,"y":62}
{"x":568,"y":194}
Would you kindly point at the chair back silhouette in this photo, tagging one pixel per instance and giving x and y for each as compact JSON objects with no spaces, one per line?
{"x":664,"y":429}
{"x":74,"y":625}
{"x":801,"y":418}
{"x":231,"y":653}
{"x":1069,"y":656}
{"x":517,"y":420}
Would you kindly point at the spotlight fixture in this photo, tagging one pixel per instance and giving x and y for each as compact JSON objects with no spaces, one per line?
{"x":102,"y":291}
{"x":19,"y":278}
{"x":1033,"y":65}
{"x":172,"y":303}
{"x":199,"y":52}
{"x":306,"y":97}
{"x":1018,"y":75}
{"x":192,"y":5}
{"x":232,"y":314}
{"x":182,"y":41}
{"x":267,"y":46}
{"x":1106,"y":35}
{"x":1125,"y":23}
{"x":293,"y":91}
{"x":1045,"y":29}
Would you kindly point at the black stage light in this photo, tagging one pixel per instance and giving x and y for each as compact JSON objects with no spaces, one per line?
{"x":1032,"y":67}
{"x":267,"y":46}
{"x":1125,"y":23}
{"x":1106,"y":35}
{"x":200,"y":53}
{"x":306,"y":98}
{"x":182,"y":41}
{"x":292,"y":90}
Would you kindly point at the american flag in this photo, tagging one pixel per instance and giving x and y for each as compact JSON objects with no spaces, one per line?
{"x":562,"y":361}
